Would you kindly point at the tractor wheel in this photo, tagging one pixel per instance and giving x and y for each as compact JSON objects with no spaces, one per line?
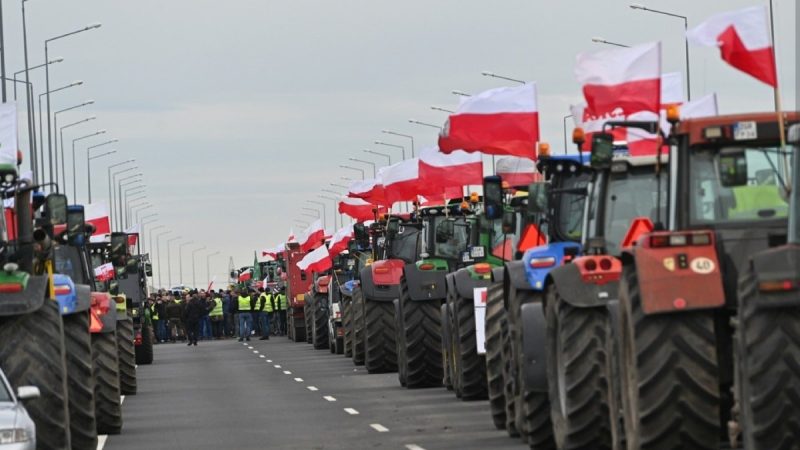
{"x":289,"y":326}
{"x":670,"y":393}
{"x":358,"y":329}
{"x":531,"y":409}
{"x":768,"y":371}
{"x":509,"y":367}
{"x":447,"y":380}
{"x":402,"y":361}
{"x":578,"y":374}
{"x":127,"y":357}
{"x":144,"y":351}
{"x":422,"y":330}
{"x":339,"y":345}
{"x":347,"y":323}
{"x":471,"y":367}
{"x":379,"y":338}
{"x":105,"y":366}
{"x":453,"y":350}
{"x":319,"y":321}
{"x":80,"y":383}
{"x":32,"y":353}
{"x":308,"y":316}
{"x":495,"y":323}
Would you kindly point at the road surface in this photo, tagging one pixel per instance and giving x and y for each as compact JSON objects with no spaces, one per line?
{"x":281,"y":395}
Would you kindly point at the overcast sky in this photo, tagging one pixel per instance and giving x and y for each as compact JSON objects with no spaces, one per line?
{"x":239,"y":111}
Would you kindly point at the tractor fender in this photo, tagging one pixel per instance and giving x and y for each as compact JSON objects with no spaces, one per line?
{"x":84,"y":294}
{"x":465,"y":285}
{"x":425,"y":284}
{"x":578,"y":293}
{"x":534,"y":350}
{"x":779,"y":264}
{"x":322,"y":283}
{"x":347,"y":288}
{"x":556,"y":251}
{"x":109,"y":320}
{"x":497,"y":274}
{"x":381,"y":293}
{"x":27,"y":301}
{"x":514,"y":275}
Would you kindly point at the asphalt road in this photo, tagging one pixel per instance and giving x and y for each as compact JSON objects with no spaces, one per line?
{"x":284,"y":395}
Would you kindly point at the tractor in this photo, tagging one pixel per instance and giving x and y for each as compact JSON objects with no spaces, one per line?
{"x":360,"y":251}
{"x":298,"y":283}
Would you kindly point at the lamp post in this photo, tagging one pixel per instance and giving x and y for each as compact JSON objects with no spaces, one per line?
{"x":61,"y":133}
{"x":460,"y":93}
{"x":374,"y":167}
{"x":335,"y":203}
{"x":385,"y":155}
{"x":565,"y":132}
{"x":89,"y":158}
{"x":353,"y":168}
{"x":449,"y":111}
{"x":425,"y":124}
{"x":150,"y":251}
{"x":135,"y":178}
{"x":302,"y":222}
{"x":132,"y":214}
{"x":74,"y":164}
{"x":41,"y":121}
{"x":486,"y":73}
{"x":111,"y":183}
{"x":169,"y":266}
{"x":194,"y":252}
{"x":324,"y":212}
{"x":47,"y":83}
{"x":158,"y":252}
{"x":393,"y":145}
{"x":685,"y":38}
{"x":402,"y":135}
{"x":339,"y":185}
{"x":145,"y":223}
{"x":600,"y":40}
{"x":180,"y":260}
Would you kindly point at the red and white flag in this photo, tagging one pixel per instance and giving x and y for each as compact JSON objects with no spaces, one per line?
{"x":517,"y":171}
{"x":312,"y":236}
{"x":401,"y":181}
{"x":340,"y":240}
{"x":97,"y":215}
{"x":317,"y":261}
{"x":370,"y":190}
{"x":104,"y":272}
{"x":359,"y":209}
{"x":245,"y":276}
{"x":743,"y":39}
{"x":133,"y":234}
{"x":705,"y":106}
{"x":502,"y":121}
{"x":438,"y":171}
{"x":640,"y":142}
{"x":291,"y":237}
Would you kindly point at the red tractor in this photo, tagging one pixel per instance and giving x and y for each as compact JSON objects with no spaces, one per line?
{"x":298,"y":283}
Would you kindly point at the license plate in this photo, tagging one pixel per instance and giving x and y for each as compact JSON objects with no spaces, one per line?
{"x":745,"y":131}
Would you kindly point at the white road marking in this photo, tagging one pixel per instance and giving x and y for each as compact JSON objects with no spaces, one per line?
{"x":261,"y":356}
{"x":101,"y":441}
{"x":379,"y":428}
{"x":329,"y":398}
{"x":312,"y":388}
{"x":250,"y":347}
{"x":269,"y":360}
{"x":287,"y":372}
{"x":277,"y":366}
{"x":255,"y":351}
{"x":121,"y":399}
{"x":299,"y":380}
{"x":351,"y":411}
{"x":414,"y":447}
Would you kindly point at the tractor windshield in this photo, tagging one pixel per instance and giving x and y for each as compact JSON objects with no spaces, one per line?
{"x":68,"y":262}
{"x":762,"y":197}
{"x":456,"y":244}
{"x":502,"y":245}
{"x":630,"y":195}
{"x":569,"y":213}
{"x":405,"y":244}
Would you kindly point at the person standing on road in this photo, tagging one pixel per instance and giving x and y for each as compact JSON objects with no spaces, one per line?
{"x":216,"y":316}
{"x":161,"y":323}
{"x":193,"y":313}
{"x":245,"y":304}
{"x":265,"y":312}
{"x":205,"y":321}
{"x":174,"y":311}
{"x":227,"y":314}
{"x":282,"y":304}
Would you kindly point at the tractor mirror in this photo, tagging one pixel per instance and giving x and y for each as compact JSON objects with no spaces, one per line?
{"x":119,"y":249}
{"x":537,"y":198}
{"x":148,"y":269}
{"x":732,"y":168}
{"x":509,"y":222}
{"x":132,"y":265}
{"x":602,"y":150}
{"x":794,"y":134}
{"x":392,"y":228}
{"x":493,"y":197}
{"x":361,"y":235}
{"x":76,"y":222}
{"x":445,"y":231}
{"x":55,"y":209}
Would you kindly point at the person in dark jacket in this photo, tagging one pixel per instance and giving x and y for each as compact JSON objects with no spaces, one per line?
{"x":174,"y":314}
{"x":194,"y":311}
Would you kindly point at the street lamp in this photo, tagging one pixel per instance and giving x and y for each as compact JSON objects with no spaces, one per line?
{"x":194,"y":252}
{"x":339,"y":185}
{"x":41,"y":136}
{"x":374,"y":167}
{"x":600,"y":40}
{"x":112,"y":184}
{"x":61,"y":132}
{"x":158,"y":252}
{"x":133,"y":212}
{"x":393,"y":145}
{"x":426,"y":124}
{"x":180,"y":260}
{"x":135,"y":178}
{"x":460,"y":93}
{"x":89,"y":166}
{"x":686,"y":40}
{"x":385,"y":155}
{"x":449,"y":111}
{"x":169,"y":266}
{"x":565,"y":132}
{"x":302,"y":222}
{"x":142,"y":219}
{"x":486,"y":73}
{"x":335,"y":204}
{"x":74,"y":164}
{"x":208,"y":265}
{"x":402,"y":135}
{"x":353,"y":168}
{"x":324,"y":212}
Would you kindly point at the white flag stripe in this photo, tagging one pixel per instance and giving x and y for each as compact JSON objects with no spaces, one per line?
{"x":517,"y":99}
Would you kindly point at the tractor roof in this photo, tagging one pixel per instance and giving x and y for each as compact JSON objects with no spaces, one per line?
{"x":767,"y":128}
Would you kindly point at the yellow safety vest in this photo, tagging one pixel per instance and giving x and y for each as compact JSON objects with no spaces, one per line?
{"x":281,"y":302}
{"x":244,"y":304}
{"x":267,"y":302}
{"x":153,"y":312}
{"x":217,"y":311}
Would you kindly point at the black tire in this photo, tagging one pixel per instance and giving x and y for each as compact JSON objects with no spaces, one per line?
{"x":308,"y":316}
{"x":347,"y":323}
{"x":422,"y":330}
{"x":495,"y":324}
{"x":80,"y":383}
{"x":402,"y":362}
{"x":508,"y":381}
{"x":144,"y":351}
{"x":454,"y":359}
{"x":32,"y":353}
{"x":105,"y":366}
{"x":319,"y":320}
{"x":358,"y":329}
{"x":578,"y":374}
{"x":127,"y":357}
{"x":471,"y":366}
{"x":768,"y":371}
{"x":447,"y":379}
{"x":670,"y":392}
{"x":380,"y":355}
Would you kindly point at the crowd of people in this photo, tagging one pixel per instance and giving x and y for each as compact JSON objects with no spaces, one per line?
{"x":223,"y":314}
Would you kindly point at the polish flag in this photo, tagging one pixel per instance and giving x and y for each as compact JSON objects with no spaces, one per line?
{"x":312,"y":236}
{"x":502,"y":121}
{"x":97,"y":215}
{"x":340,"y":240}
{"x":370,"y":190}
{"x":401,"y":181}
{"x":621,"y":82}
{"x":743,"y":40}
{"x":245,"y":276}
{"x":291,"y":237}
{"x":133,"y":234}
{"x":642,"y":143}
{"x":438,"y":171}
{"x":317,"y":261}
{"x":359,"y":209}
{"x":440,"y":200}
{"x":269,"y":253}
{"x":517,"y":171}
{"x":104,"y":272}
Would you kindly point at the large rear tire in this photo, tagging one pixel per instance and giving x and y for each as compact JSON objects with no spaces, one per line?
{"x":127,"y":357}
{"x":670,"y":392}
{"x":80,"y":384}
{"x":495,"y":326}
{"x":422,"y":342}
{"x":308,"y":316}
{"x":402,"y":360}
{"x":347,"y":323}
{"x":471,"y":366}
{"x":447,"y":379}
{"x":319,"y":320}
{"x":358,"y":329}
{"x":379,"y":338}
{"x":578,"y":374}
{"x":144,"y":351}
{"x":105,"y":366}
{"x":768,"y":371}
{"x":32,"y":353}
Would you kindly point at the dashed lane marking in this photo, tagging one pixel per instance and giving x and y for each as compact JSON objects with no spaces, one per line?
{"x":312,"y":388}
{"x":269,"y":360}
{"x":414,"y":447}
{"x":299,"y":380}
{"x":379,"y":428}
{"x":287,"y":372}
{"x":101,"y":441}
{"x":330,"y":398}
{"x":261,"y":356}
{"x":249,"y":347}
{"x":277,"y":366}
{"x":255,"y":351}
{"x":351,"y":411}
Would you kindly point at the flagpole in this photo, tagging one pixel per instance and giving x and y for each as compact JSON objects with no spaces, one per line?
{"x":775,"y":53}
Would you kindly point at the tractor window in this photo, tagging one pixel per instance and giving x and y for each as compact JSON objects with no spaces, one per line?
{"x":68,"y":262}
{"x":631,"y":195}
{"x":569,"y":215}
{"x":762,"y":198}
{"x":5,"y":396}
{"x":454,"y":246}
{"x":504,"y":246}
{"x":405,"y":245}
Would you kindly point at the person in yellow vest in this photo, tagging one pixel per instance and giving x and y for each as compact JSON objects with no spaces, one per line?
{"x":216,"y":316}
{"x":265,"y":308}
{"x":281,"y":304}
{"x":245,"y":303}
